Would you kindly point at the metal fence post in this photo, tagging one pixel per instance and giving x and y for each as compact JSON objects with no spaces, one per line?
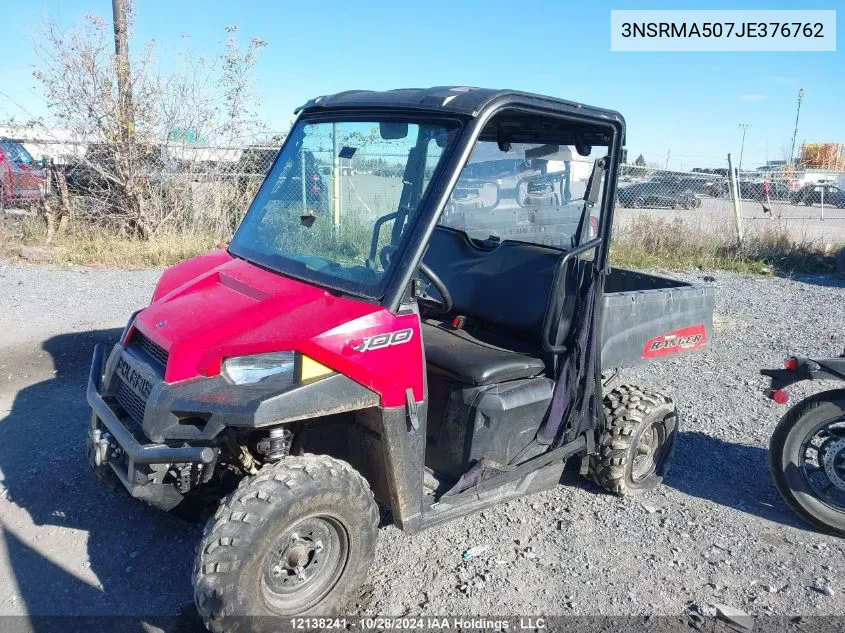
{"x":735,"y":196}
{"x":822,"y":196}
{"x":304,"y":184}
{"x":335,"y":178}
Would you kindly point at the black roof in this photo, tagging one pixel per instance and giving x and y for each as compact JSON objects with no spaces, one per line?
{"x":462,"y":100}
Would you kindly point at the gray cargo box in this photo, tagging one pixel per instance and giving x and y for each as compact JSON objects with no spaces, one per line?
{"x":646,"y":317}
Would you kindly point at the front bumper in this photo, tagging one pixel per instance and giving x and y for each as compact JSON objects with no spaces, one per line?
{"x":174,"y":427}
{"x":140,"y":468}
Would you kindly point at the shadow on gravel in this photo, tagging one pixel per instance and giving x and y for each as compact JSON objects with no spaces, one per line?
{"x":732,"y":475}
{"x":830,"y":280}
{"x":141,"y":557}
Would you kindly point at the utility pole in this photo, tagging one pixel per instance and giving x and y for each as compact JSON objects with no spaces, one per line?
{"x":124,"y":77}
{"x":667,"y":159}
{"x":744,"y":127}
{"x":795,"y":132}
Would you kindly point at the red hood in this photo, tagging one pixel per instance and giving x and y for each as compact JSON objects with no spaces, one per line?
{"x":229,"y":307}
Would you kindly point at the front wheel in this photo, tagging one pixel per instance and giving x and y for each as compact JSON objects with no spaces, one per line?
{"x":298,"y":538}
{"x":807,"y":458}
{"x":635,"y":450}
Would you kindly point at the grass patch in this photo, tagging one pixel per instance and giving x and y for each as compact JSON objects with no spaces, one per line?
{"x":95,"y":246}
{"x":647,"y":242}
{"x":644,"y":242}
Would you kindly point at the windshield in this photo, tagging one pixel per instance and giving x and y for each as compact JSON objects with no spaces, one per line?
{"x":341,"y":199}
{"x":530,"y":192}
{"x":16,"y":152}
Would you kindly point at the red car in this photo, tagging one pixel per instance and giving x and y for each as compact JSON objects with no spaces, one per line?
{"x":22,"y":179}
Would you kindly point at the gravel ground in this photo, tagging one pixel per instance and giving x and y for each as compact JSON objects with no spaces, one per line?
{"x":716,"y":532}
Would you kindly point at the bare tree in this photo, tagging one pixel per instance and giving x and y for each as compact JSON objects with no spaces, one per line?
{"x":131,"y":114}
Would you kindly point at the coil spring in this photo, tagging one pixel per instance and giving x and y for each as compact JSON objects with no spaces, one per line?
{"x":279,"y":443}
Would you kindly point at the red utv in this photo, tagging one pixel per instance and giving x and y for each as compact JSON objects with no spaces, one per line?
{"x":23,"y":181}
{"x":328,"y":360}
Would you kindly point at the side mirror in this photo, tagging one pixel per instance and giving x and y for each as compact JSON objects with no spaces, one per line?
{"x":442,"y":137}
{"x":582,"y":146}
{"x":392,"y":131}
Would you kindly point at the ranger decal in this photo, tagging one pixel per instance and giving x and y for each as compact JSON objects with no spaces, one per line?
{"x":682,"y":340}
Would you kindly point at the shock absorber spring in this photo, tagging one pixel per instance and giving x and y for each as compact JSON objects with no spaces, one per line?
{"x":279,"y":443}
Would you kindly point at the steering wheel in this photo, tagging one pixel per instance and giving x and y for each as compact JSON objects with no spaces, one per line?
{"x":444,"y":304}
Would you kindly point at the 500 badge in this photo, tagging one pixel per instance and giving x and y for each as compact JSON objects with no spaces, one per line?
{"x":379,"y":341}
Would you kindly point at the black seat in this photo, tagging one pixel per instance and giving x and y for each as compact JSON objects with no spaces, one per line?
{"x":462,"y":357}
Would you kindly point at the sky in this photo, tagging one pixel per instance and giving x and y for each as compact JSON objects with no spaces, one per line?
{"x":682,"y":107}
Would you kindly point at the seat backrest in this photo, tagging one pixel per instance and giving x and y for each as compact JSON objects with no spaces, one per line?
{"x":507,"y":287}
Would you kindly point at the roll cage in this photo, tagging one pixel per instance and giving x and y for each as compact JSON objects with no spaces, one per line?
{"x":519,"y":117}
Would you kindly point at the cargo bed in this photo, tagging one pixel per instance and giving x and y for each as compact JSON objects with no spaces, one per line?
{"x":647,"y":317}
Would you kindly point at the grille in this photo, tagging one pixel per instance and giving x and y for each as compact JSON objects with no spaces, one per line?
{"x":153,"y":349}
{"x":129,"y":401}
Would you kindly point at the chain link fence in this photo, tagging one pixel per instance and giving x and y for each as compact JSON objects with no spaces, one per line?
{"x":208,"y":189}
{"x":808,"y":204}
{"x":182,"y":186}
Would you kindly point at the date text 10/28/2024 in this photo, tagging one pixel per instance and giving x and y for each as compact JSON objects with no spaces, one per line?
{"x":428,"y":623}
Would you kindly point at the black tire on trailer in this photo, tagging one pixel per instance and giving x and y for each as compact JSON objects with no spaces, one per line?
{"x":840,"y":261}
{"x":297,"y":538}
{"x":635,"y":450}
{"x":787,"y":450}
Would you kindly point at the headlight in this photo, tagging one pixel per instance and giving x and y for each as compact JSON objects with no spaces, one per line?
{"x":247,"y":370}
{"x":282,"y":368}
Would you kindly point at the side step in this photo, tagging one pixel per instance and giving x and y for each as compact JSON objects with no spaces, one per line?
{"x":539,"y":473}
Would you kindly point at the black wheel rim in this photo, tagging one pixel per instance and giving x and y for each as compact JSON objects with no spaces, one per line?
{"x":304,"y":564}
{"x":822,"y":462}
{"x":648,"y":446}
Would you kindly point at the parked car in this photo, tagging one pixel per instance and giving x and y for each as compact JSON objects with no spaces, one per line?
{"x":664,"y":193}
{"x":752,"y":190}
{"x":699,"y":184}
{"x":516,"y":199}
{"x":386,"y":172}
{"x":816,"y":194}
{"x":23,"y":180}
{"x":96,"y":173}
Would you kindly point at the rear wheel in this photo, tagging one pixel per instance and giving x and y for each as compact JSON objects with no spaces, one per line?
{"x":807,"y":458}
{"x":635,"y":449}
{"x":639,"y":202}
{"x":298,"y":538}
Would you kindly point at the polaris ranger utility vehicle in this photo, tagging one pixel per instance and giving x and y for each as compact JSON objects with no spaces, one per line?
{"x":329,"y":359}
